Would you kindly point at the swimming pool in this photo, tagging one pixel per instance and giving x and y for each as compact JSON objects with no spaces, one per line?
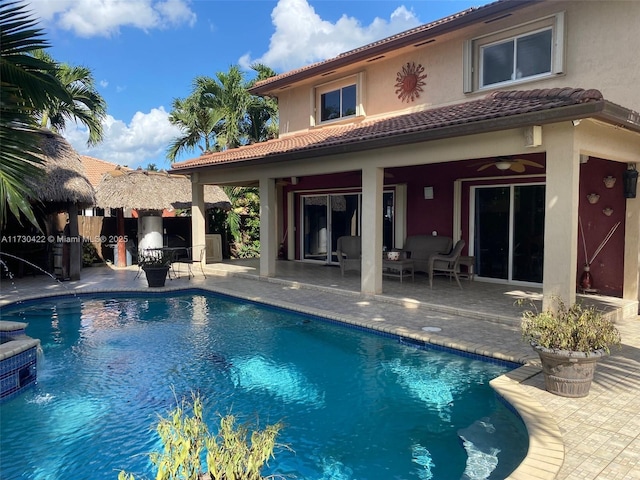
{"x":355,"y":404}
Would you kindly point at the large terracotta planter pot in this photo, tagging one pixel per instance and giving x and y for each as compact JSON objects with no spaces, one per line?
{"x":156,"y":276}
{"x":568,"y":374}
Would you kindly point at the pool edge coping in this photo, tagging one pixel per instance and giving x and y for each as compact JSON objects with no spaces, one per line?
{"x":546,"y":451}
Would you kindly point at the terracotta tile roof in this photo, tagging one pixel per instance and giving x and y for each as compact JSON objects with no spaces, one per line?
{"x":441,"y":122}
{"x":96,"y":168}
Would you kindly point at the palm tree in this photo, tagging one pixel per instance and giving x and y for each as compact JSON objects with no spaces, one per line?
{"x":261,"y":122}
{"x":86,"y":106}
{"x":227,"y":95}
{"x":198,"y":122}
{"x":28,"y":85}
{"x":220,"y":113}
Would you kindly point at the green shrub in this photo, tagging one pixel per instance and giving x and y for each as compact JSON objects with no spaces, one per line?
{"x":575,"y":328}
{"x":231,"y":454}
{"x":89,"y":254}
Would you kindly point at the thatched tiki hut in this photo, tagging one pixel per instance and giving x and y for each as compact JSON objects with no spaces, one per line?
{"x":63,"y":190}
{"x":150,"y":193}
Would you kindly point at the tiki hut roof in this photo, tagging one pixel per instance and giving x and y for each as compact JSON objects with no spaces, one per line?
{"x":146,"y":190}
{"x":65,"y":180}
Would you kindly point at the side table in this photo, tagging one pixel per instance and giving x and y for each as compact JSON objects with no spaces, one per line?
{"x":397,"y":268}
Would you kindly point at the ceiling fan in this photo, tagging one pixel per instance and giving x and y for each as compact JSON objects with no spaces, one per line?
{"x":517,"y":165}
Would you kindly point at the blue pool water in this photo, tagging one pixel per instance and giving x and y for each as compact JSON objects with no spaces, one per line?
{"x":356,"y":405}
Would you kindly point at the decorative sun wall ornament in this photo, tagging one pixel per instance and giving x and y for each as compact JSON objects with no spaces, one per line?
{"x":409,"y":82}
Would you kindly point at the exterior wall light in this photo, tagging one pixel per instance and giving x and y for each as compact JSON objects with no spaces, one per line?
{"x":630,"y":181}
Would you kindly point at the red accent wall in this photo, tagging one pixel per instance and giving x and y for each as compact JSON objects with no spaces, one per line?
{"x":426,"y":216}
{"x":607,"y":268}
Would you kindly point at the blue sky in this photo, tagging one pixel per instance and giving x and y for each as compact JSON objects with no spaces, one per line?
{"x":146,"y":53}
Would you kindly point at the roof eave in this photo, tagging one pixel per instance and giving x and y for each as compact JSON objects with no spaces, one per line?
{"x":268,"y":86}
{"x":568,"y":113}
{"x":620,"y":116}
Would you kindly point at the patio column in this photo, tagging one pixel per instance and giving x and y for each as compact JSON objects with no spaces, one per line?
{"x":561,"y":214}
{"x":198,"y":226}
{"x":268,"y":234}
{"x":371,"y":234}
{"x":631,"y":285}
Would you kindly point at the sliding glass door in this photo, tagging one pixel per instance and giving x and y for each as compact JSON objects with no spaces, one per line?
{"x":345,"y":219}
{"x":508,"y":232}
{"x":315,"y":224}
{"x":327,"y":217}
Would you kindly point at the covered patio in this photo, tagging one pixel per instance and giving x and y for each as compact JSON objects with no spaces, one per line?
{"x":565,"y":141}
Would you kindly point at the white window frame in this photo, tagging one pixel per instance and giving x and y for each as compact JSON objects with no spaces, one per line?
{"x":322,"y":89}
{"x":472,"y":53}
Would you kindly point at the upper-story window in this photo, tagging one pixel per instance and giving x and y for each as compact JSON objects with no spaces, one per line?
{"x":337,"y":100}
{"x":519,"y":57}
{"x":338,"y":103}
{"x":527,"y":52}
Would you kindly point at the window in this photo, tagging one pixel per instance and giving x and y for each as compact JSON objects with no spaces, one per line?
{"x":338,"y":103}
{"x":519,"y":54}
{"x":338,"y":100}
{"x":520,"y":57}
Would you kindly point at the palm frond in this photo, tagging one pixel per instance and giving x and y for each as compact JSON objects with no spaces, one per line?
{"x":28,"y":84}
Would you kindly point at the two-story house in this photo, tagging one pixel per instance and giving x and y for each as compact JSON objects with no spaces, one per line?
{"x":494,"y":125}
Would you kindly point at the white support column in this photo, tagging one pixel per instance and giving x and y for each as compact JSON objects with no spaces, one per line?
{"x":372,"y":189}
{"x":631,"y":285}
{"x":198,"y":214}
{"x":291,"y":223}
{"x":561,"y":215}
{"x":457,"y":211}
{"x":400,"y":217}
{"x":268,"y":241}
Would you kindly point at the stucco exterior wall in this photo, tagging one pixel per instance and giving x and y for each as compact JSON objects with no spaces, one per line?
{"x":601,"y":41}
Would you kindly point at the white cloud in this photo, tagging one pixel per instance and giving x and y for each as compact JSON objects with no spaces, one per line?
{"x":144,"y":140}
{"x":93,"y":18}
{"x":301,"y":37}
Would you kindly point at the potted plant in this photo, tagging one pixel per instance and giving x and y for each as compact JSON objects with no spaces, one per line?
{"x":155,"y":263}
{"x":90,"y":257}
{"x":569,"y":340}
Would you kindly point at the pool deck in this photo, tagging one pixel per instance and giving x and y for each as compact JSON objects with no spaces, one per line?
{"x":597,"y":437}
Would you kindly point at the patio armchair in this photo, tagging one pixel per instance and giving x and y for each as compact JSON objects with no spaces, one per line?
{"x":448,"y":264}
{"x":349,"y":252}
